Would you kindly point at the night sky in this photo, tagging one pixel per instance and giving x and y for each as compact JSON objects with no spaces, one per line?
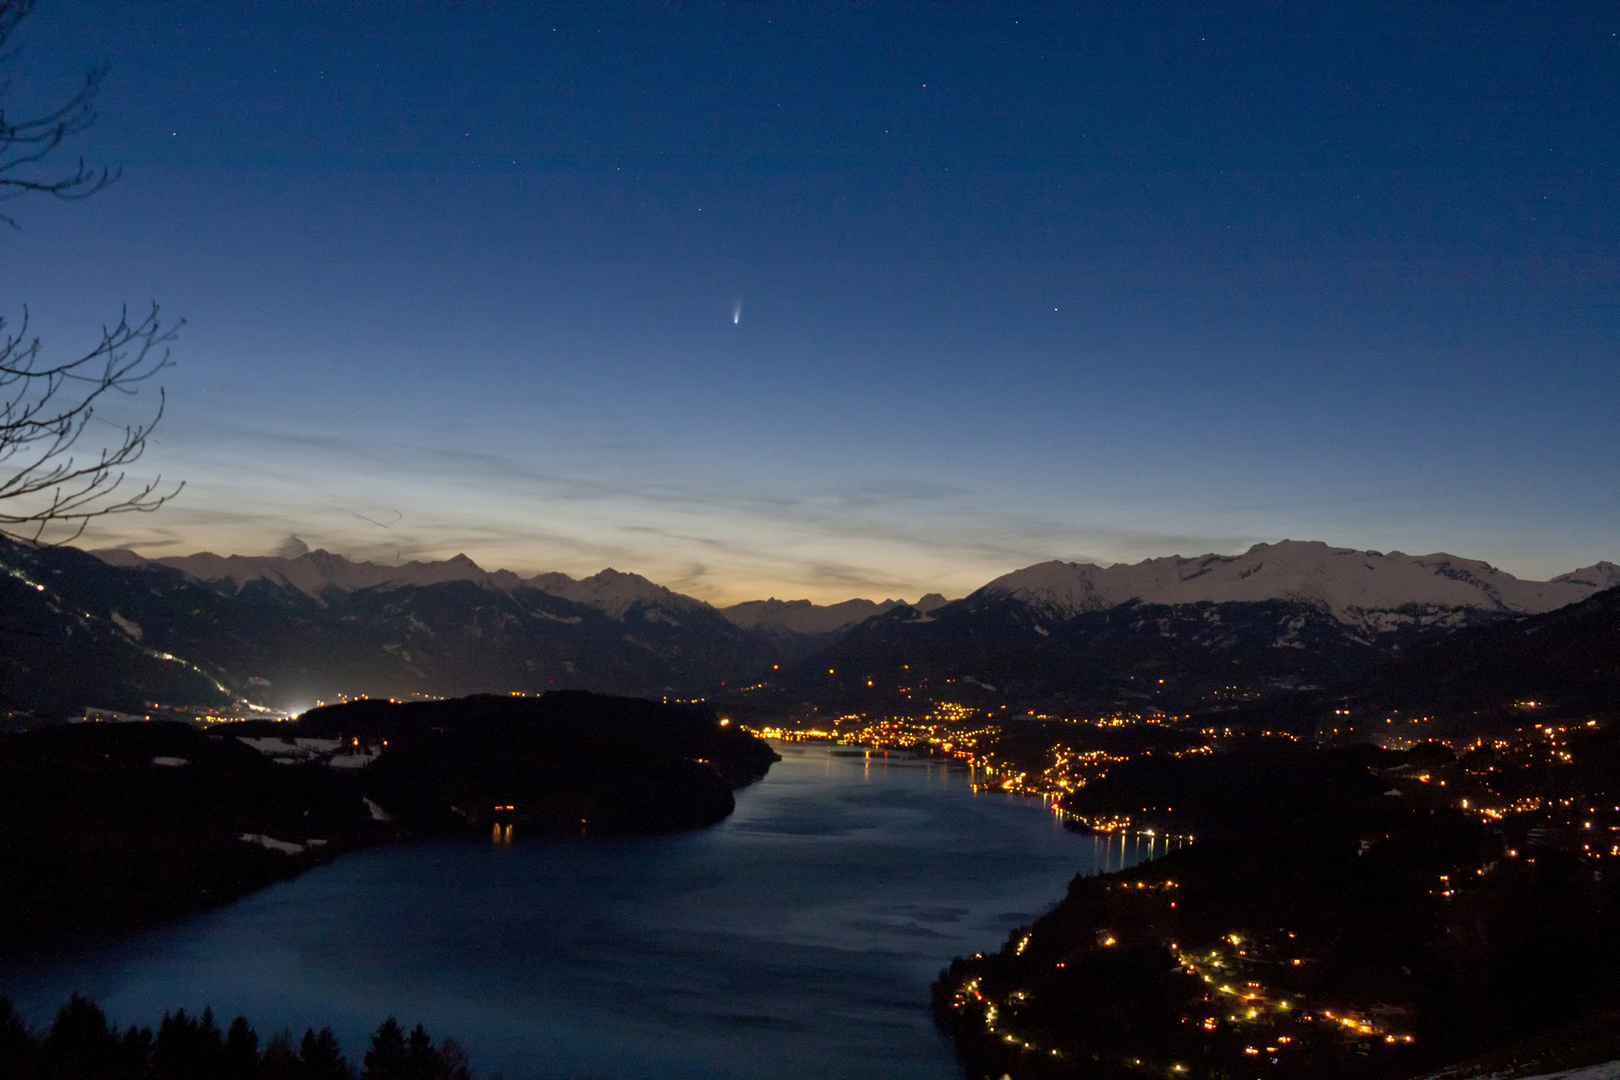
{"x":838,"y":300}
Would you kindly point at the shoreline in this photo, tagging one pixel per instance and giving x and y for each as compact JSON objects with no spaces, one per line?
{"x":109,"y":829}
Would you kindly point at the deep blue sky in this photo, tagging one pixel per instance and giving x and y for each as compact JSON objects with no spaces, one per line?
{"x":1016,"y":281}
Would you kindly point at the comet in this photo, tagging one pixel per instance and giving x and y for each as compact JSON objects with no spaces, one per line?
{"x":736,"y":313}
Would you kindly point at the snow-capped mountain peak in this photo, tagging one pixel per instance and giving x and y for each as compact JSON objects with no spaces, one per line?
{"x":311,"y":573}
{"x":1599,"y":576}
{"x":316,"y":572}
{"x":1351,"y":584}
{"x":1370,"y":588}
{"x":613,"y":592}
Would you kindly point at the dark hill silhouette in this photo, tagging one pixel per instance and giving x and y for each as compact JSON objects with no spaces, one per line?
{"x":1318,"y":921}
{"x":567,"y":761}
{"x":104,"y":827}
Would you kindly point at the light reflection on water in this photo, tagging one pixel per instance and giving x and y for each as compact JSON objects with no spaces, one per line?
{"x":1117,"y":851}
{"x":796,"y":939}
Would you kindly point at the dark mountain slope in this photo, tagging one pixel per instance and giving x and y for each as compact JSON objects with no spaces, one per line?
{"x":61,"y":648}
{"x":79,"y":632}
{"x":1566,"y":661}
{"x":1162,"y":655}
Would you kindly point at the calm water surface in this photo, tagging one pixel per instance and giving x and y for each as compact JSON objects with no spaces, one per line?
{"x":796,"y":939}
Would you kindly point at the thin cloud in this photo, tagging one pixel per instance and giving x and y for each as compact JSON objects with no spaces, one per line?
{"x":896,"y":535}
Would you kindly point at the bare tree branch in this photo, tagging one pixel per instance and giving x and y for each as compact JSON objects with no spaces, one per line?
{"x":25,"y":144}
{"x":45,"y":407}
{"x":44,"y":410}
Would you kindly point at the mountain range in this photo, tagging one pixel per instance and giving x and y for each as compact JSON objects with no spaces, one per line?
{"x":1177,"y":633}
{"x":116,"y":630}
{"x":1365,"y":588}
{"x":319,"y":574}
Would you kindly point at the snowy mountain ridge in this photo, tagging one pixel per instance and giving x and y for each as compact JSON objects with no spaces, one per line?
{"x":315,"y":572}
{"x":1374,"y":590}
{"x":1367,"y":588}
{"x":613,"y":592}
{"x":803,"y":617}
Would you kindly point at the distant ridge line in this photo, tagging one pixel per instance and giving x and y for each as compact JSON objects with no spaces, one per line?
{"x":1355,"y":585}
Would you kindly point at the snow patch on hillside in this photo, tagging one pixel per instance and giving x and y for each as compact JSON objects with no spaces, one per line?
{"x":1607,"y":1071}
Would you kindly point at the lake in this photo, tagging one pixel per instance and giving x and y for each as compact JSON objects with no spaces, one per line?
{"x":796,"y":939}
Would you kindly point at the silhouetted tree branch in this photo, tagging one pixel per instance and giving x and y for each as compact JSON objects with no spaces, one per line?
{"x":46,"y":406}
{"x":25,"y":144}
{"x":44,"y":411}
